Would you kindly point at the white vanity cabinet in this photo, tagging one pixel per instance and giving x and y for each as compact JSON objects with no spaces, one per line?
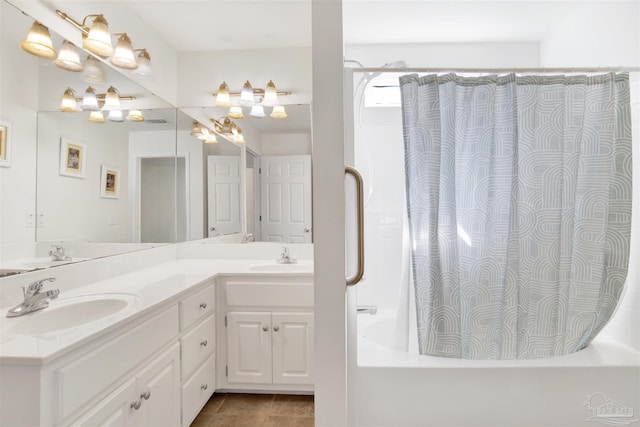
{"x":198,"y":343}
{"x":266,"y":340}
{"x":270,"y":348}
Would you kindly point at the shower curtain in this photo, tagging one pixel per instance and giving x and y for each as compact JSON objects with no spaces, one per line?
{"x":519,"y":204}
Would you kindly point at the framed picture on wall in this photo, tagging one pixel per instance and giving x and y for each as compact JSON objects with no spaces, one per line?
{"x":109,"y":182}
{"x":72,"y":155}
{"x":5,"y":144}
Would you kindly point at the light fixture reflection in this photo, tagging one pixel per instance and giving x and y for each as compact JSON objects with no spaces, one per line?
{"x":93,"y":74}
{"x":115,"y":116}
{"x":135,"y":116}
{"x":96,"y":117}
{"x":211,"y":139}
{"x":270,"y":95}
{"x":246,"y":95}
{"x":68,"y":58}
{"x":257,"y":111}
{"x":223,"y":99}
{"x":112,"y":99}
{"x":123,"y":56}
{"x":235,"y":112}
{"x":38,"y":42}
{"x":68,"y":103}
{"x":98,"y":41}
{"x":144,"y":64}
{"x":89,"y":101}
{"x":279,"y":112}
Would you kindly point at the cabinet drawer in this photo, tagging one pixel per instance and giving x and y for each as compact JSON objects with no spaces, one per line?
{"x":87,"y":376}
{"x":197,"y":345}
{"x":240,"y":293}
{"x":199,"y":305}
{"x":197,"y":390}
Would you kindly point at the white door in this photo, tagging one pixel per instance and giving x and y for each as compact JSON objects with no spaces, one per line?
{"x":159,"y":386}
{"x":223,"y":183}
{"x":249,"y":347}
{"x":285,"y":185}
{"x":292,"y":348}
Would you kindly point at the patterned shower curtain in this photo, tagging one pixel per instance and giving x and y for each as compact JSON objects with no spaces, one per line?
{"x":519,"y":205}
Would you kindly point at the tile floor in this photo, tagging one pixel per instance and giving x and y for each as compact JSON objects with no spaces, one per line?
{"x":256,"y":410}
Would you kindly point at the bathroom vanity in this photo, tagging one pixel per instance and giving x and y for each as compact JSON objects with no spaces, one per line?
{"x":149,"y":347}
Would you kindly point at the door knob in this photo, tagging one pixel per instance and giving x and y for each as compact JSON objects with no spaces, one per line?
{"x":276,"y":328}
{"x":306,"y":230}
{"x":265,"y":328}
{"x":212,"y":228}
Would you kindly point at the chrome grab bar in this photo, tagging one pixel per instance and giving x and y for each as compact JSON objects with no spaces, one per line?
{"x":352,"y":280}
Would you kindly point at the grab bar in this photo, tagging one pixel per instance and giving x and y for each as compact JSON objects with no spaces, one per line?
{"x":352,"y":280}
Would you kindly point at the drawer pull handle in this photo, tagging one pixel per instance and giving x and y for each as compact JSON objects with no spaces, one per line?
{"x":203,"y":305}
{"x":265,"y":328}
{"x":146,"y":395}
{"x":136,"y":405}
{"x":204,"y":343}
{"x":204,"y":386}
{"x":276,"y":328}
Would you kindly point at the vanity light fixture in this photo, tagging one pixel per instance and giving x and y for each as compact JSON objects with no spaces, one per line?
{"x":135,"y":116}
{"x":211,"y":139}
{"x":115,"y":116}
{"x":123,"y":55}
{"x":196,"y":129}
{"x":254,"y":97}
{"x":144,"y":63}
{"x":235,"y":112}
{"x":97,"y":40}
{"x":228,"y":129}
{"x":69,"y":103}
{"x":112,"y":99}
{"x":96,"y":117}
{"x":93,"y":73}
{"x":38,"y":42}
{"x":89,"y":101}
{"x":68,"y":58}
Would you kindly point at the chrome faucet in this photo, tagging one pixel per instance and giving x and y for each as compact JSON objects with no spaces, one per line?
{"x":248,"y":238}
{"x":285,"y":258}
{"x":34,"y":300}
{"x":57,"y":253}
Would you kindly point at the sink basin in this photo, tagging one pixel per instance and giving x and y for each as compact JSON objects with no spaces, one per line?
{"x":70,"y":312}
{"x":282,"y":267}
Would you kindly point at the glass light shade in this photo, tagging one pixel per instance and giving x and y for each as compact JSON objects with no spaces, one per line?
{"x":270,"y":95}
{"x":227,"y":127}
{"x":92,"y":72}
{"x":98,"y":41}
{"x":68,"y":58}
{"x":257,"y":111}
{"x":123,"y":56}
{"x":112,"y":99}
{"x":196,"y":129}
{"x":279,"y":112}
{"x":235,"y":112}
{"x":223,"y":99}
{"x":246,"y":95}
{"x":144,"y":64}
{"x":38,"y":42}
{"x":204,"y":133}
{"x":237,"y":136}
{"x":68,"y":103}
{"x":89,"y":101}
{"x":96,"y":117}
{"x":211,"y":139}
{"x":116,"y":116}
{"x":135,"y":116}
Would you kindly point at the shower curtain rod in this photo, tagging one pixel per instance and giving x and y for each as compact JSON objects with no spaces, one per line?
{"x":498,"y":70}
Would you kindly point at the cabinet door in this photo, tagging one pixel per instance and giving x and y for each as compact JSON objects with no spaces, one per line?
{"x":292,"y":348}
{"x":159,"y":390}
{"x":114,"y":410}
{"x":249,"y":347}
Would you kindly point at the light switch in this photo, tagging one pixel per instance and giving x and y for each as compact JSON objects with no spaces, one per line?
{"x":41,"y":220}
{"x":31,"y":220}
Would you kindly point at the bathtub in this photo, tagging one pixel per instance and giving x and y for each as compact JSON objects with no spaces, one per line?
{"x":599,"y":385}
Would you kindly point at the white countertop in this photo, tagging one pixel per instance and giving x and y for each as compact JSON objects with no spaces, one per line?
{"x":149,"y":288}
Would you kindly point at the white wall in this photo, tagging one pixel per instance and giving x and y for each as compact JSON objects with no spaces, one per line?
{"x":18,"y":106}
{"x":192,"y":149}
{"x":71,"y":208}
{"x":286,"y":144}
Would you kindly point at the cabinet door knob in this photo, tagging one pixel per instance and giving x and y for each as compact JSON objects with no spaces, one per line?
{"x":136,"y":405}
{"x":265,"y":328}
{"x":203,"y":305}
{"x":276,"y":328}
{"x":204,"y":343}
{"x":146,"y":395}
{"x":204,"y":386}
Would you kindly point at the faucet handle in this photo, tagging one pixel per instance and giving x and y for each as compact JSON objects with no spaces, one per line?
{"x":35,"y":287}
{"x":285,"y":251}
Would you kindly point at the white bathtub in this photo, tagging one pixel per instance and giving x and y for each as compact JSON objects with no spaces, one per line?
{"x":599,"y":385}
